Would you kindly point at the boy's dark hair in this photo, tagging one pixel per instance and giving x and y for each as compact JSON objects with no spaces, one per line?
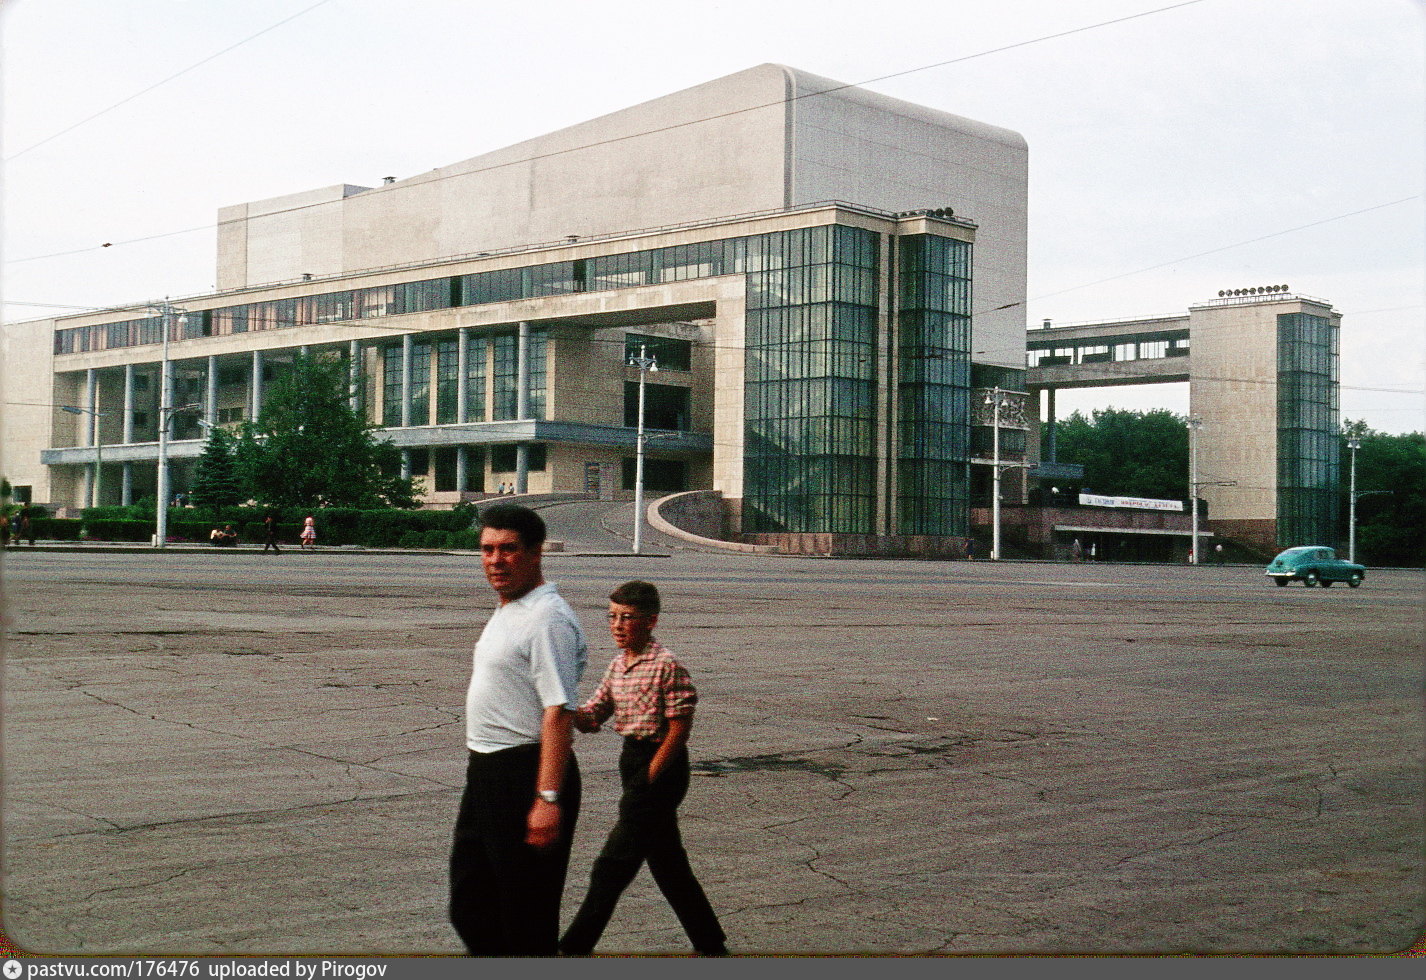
{"x":513,"y":517}
{"x":643,"y":596}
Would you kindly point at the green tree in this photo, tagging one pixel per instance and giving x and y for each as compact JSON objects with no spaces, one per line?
{"x":1391,"y":496}
{"x":308,"y":448}
{"x":1127,"y":453}
{"x":216,"y":482}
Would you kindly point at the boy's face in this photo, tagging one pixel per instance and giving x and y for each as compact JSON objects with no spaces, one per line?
{"x":630,"y":628}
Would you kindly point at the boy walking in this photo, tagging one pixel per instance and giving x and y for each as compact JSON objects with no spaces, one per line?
{"x":651,"y":698}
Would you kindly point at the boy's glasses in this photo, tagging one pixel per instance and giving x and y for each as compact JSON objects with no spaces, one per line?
{"x":626,"y":617}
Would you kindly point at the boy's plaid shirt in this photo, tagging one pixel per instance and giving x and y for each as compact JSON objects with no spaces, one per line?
{"x":642,"y":695}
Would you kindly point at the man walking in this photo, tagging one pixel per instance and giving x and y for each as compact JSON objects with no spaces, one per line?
{"x":521,"y":800}
{"x":651,"y":698}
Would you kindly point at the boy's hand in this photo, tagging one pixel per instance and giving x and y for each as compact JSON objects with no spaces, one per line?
{"x":585,"y":723}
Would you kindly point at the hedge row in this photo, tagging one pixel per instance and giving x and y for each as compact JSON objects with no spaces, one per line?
{"x":337,"y":526}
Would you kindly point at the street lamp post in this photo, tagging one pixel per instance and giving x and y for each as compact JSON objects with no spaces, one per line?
{"x":1194,"y":422}
{"x":98,"y":447}
{"x":171,"y":315}
{"x":1353,"y":444}
{"x":994,"y":399}
{"x":646,"y":365}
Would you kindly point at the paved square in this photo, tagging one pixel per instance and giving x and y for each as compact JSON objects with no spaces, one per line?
{"x":219,"y":753}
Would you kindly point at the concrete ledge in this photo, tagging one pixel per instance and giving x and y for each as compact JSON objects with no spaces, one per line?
{"x":659,"y":523}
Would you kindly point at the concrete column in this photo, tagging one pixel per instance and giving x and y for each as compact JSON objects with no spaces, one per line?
{"x":126,"y":489}
{"x":91,"y":403}
{"x":128,"y":406}
{"x":256,"y":386}
{"x":1050,"y":425}
{"x":522,"y":404}
{"x":354,"y":374}
{"x":462,"y":366}
{"x":210,"y":409}
{"x":406,"y":345}
{"x":462,"y":473}
{"x":405,"y":464}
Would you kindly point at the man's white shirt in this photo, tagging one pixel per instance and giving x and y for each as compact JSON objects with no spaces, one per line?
{"x":530,"y":656}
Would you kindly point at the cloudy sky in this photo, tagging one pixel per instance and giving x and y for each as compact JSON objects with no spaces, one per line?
{"x":1177,"y":148}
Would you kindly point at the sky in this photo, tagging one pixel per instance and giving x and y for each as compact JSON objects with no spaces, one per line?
{"x":1176,"y":148}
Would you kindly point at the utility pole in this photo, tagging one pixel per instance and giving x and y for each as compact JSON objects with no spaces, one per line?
{"x":1193,"y":425}
{"x":1353,"y":444}
{"x":646,"y":365}
{"x":995,"y":399}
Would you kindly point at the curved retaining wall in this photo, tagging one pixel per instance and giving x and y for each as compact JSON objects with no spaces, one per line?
{"x":702,"y":510}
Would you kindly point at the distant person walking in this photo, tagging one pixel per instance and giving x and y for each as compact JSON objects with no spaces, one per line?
{"x":651,"y":698}
{"x":309,"y":535}
{"x":269,"y":532}
{"x":27,"y":526}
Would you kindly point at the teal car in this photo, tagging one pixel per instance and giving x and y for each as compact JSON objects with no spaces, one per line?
{"x":1314,"y":565}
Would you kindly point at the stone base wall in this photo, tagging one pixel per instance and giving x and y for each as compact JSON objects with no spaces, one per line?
{"x":862,"y":545}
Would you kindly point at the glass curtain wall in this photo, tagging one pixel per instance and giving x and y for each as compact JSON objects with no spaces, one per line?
{"x":933,"y":391}
{"x":809,"y":441}
{"x":1308,"y":449}
{"x":506,"y":366}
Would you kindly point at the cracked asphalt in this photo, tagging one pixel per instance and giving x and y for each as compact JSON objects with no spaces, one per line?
{"x":233,"y":753}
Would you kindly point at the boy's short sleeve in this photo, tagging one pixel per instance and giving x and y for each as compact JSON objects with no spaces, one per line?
{"x":679,"y":693}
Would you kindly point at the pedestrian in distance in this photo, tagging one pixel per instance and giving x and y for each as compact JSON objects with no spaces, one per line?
{"x":309,"y":535}
{"x":27,"y":526}
{"x":517,"y":815}
{"x":651,"y":698}
{"x":269,"y":532}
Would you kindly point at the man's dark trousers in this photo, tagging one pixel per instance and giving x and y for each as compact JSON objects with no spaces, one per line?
{"x":647,"y":829}
{"x":505,"y":894}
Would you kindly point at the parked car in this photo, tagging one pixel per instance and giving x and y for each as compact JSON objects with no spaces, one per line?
{"x":1314,"y":565}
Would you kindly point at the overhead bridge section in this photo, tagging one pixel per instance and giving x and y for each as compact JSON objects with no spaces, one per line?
{"x":1127,"y":352}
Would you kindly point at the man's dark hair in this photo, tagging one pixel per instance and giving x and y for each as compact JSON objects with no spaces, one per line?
{"x":513,"y":517}
{"x":643,"y":596}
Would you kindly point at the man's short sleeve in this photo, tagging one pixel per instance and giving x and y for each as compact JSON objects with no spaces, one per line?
{"x":557,"y":657}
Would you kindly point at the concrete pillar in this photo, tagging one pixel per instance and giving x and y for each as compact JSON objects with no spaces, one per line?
{"x":354,"y":374}
{"x":128,"y":406}
{"x":405,"y":464}
{"x":210,"y":408}
{"x":1050,"y":425}
{"x":126,"y":490}
{"x":406,"y":345}
{"x":462,"y":472}
{"x":522,"y":404}
{"x":256,"y":386}
{"x":91,"y":399}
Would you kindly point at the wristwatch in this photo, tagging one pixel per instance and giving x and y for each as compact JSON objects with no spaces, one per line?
{"x":550,"y":795}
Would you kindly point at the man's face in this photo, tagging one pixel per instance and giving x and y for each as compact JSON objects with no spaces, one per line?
{"x":630,"y":628}
{"x":511,"y":568}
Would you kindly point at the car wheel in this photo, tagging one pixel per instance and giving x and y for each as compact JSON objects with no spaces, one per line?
{"x":1280,"y":582}
{"x":1326,"y":583}
{"x":1355,"y":580}
{"x":1310,"y":579}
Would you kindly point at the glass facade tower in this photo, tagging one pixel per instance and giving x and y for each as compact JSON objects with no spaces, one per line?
{"x":1308,"y":450}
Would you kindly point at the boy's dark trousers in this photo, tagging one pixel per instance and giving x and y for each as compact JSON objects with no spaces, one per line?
{"x":647,"y":829}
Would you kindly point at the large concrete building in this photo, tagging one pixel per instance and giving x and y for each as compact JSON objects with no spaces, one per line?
{"x":799,"y":255}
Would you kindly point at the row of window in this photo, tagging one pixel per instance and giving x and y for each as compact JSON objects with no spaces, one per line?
{"x":1127,"y":349}
{"x":752,"y":255}
{"x":501,"y":350}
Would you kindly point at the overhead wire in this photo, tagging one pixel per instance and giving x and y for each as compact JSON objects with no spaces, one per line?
{"x":532,"y":158}
{"x":164,"y":81}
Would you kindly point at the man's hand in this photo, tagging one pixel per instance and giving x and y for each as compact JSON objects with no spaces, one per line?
{"x":542,"y":826}
{"x":585,"y":722}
